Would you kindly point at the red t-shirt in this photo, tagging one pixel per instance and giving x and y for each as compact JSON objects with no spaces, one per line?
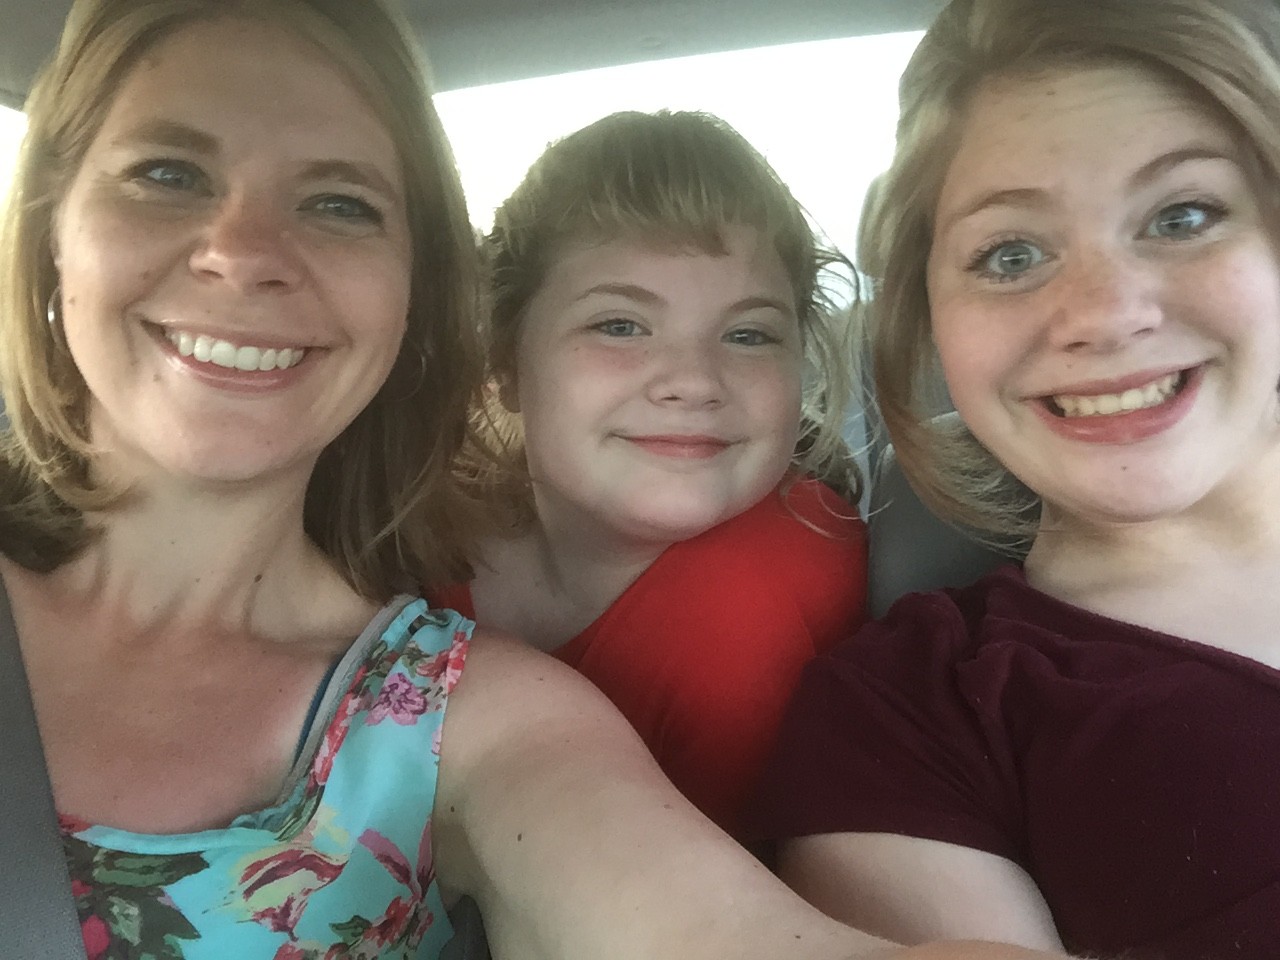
{"x":1132,"y":774}
{"x":701,"y":652}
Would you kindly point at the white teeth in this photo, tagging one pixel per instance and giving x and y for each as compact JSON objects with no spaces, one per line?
{"x":223,"y":353}
{"x":247,"y":358}
{"x":1132,"y":400}
{"x":1138,"y":398}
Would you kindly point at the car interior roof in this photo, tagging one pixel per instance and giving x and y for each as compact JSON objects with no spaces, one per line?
{"x":474,"y":42}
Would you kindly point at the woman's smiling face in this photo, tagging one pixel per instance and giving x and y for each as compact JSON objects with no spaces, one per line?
{"x":234,"y":258}
{"x":1104,"y":293}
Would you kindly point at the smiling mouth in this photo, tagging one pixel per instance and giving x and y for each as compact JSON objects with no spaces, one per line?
{"x":681,"y":447}
{"x":233,"y":356}
{"x":1144,"y":397}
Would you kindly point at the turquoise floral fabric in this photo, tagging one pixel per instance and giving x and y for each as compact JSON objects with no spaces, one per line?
{"x":342,"y":870}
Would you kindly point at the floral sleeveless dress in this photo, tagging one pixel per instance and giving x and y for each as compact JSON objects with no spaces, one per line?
{"x":340,"y":868}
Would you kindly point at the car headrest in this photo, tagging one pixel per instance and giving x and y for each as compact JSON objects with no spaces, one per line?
{"x":912,"y":550}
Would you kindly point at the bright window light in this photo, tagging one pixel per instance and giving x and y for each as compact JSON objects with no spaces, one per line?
{"x":13,"y":124}
{"x":823,"y":113}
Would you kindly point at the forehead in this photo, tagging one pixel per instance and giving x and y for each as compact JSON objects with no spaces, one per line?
{"x":247,"y":78}
{"x":1033,"y":130}
{"x":745,"y":251}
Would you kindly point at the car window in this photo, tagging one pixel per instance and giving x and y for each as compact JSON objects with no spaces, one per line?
{"x":823,"y":113}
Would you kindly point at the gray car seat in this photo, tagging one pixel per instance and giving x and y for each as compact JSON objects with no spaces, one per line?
{"x":469,"y":941}
{"x":912,"y":550}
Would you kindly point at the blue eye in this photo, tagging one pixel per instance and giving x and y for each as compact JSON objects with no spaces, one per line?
{"x":750,"y":337}
{"x":618,"y":327}
{"x":344,"y":207}
{"x":1008,"y":260}
{"x":1182,"y":220}
{"x":176,"y":175}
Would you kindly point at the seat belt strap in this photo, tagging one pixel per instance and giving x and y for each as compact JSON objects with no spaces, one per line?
{"x":38,"y":919}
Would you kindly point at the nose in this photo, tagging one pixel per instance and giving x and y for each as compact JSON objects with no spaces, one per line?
{"x":686,"y":375}
{"x":1102,"y":303}
{"x":249,"y":245}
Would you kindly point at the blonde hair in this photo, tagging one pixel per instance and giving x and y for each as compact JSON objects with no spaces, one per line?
{"x":1222,"y":51}
{"x":382,"y":501}
{"x":677,"y":178}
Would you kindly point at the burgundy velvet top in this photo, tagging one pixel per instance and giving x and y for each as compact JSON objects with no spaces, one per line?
{"x":1134,"y":775}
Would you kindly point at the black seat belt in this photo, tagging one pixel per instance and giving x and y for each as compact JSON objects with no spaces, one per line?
{"x":38,"y":919}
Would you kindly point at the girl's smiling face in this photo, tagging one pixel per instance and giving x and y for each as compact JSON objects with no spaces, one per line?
{"x":659,"y":388}
{"x":1104,"y":293}
{"x":234,"y":258}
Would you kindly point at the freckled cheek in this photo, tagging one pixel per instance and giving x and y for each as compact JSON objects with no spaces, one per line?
{"x":972,"y":369}
{"x":110,"y":269}
{"x":103,"y":227}
{"x":378,"y":303}
{"x":602,"y":364}
{"x":783,"y":393}
{"x":770,"y":397}
{"x":578,"y":381}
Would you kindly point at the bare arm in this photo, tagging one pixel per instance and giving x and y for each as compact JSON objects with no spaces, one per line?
{"x":552,"y":815}
{"x":913,"y":891}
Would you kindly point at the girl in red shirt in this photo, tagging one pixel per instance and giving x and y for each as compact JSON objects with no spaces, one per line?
{"x":666,"y":372}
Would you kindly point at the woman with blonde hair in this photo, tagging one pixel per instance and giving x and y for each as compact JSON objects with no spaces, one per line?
{"x":1079,"y":231}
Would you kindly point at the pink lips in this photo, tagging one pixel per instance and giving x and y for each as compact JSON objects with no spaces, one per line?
{"x":224,"y":378}
{"x":1127,"y":427}
{"x":680,"y":447}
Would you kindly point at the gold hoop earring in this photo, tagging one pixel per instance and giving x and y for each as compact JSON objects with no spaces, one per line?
{"x":421,"y":380}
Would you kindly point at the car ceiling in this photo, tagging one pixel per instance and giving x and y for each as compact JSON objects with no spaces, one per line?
{"x":473,"y":42}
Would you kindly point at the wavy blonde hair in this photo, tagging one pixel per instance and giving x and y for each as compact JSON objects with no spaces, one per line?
{"x":1225,"y":52}
{"x":382,"y":501}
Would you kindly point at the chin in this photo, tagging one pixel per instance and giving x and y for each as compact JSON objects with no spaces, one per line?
{"x":1130,"y":507}
{"x":1128,"y":490}
{"x":672,"y":526}
{"x":681,"y":521}
{"x":220,"y":466}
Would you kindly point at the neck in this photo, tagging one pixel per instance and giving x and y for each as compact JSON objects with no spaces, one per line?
{"x":228,"y":559}
{"x":551,"y":581}
{"x":1223,"y":549}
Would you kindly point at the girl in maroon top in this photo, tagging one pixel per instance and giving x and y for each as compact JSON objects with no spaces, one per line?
{"x":665,"y":367}
{"x":1080,"y":227}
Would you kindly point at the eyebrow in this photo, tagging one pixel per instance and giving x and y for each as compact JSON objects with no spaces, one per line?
{"x":629,"y":290}
{"x":356,"y":174}
{"x":762,"y":303}
{"x":180,"y":136}
{"x":168,"y":133}
{"x":1030,"y":196}
{"x":646,"y":296}
{"x":1165,"y":162}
